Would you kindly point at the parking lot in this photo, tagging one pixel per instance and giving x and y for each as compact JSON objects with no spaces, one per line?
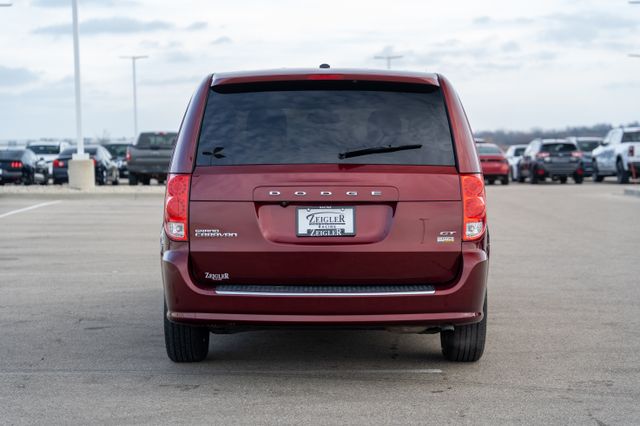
{"x":81,"y":337}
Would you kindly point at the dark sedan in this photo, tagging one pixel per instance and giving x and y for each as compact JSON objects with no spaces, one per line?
{"x":118,"y":152}
{"x":22,"y":166}
{"x":106,"y":169}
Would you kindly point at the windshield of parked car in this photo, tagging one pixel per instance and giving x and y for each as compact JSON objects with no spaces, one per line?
{"x":588,"y":146}
{"x":44,"y":149}
{"x":319,"y":121}
{"x":117,"y":151}
{"x":488,"y":149}
{"x":156,"y":140}
{"x":519,"y":151}
{"x":631,"y":136}
{"x":554,"y":148}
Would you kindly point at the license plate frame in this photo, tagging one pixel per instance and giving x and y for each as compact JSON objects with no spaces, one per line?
{"x":326,"y":221}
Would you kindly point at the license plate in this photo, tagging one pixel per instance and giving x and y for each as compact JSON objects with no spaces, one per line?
{"x":325,"y":222}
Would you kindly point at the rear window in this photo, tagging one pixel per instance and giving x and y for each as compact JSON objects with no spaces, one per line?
{"x":631,"y":137}
{"x":557,"y":147}
{"x":488,"y":149}
{"x":156,"y":140}
{"x":11,"y":154}
{"x":519,"y":151}
{"x":117,"y":150}
{"x":44,"y":149}
{"x":70,"y":151}
{"x":316,"y":122}
{"x":588,"y":146}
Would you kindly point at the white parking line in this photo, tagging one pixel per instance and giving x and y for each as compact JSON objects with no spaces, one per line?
{"x":36,"y":206}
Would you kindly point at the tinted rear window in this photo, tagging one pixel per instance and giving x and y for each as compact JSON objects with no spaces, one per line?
{"x":313,"y":122}
{"x":518,"y":152}
{"x":156,"y":140}
{"x":70,"y":151}
{"x":488,"y":149}
{"x":11,"y":154}
{"x":558,"y":147}
{"x":117,"y":150}
{"x":588,"y":146}
{"x":631,"y":137}
{"x":45,"y":149}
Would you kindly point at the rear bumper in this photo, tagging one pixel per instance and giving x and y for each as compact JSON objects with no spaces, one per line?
{"x":10,"y":176}
{"x":495,"y":169}
{"x":456,"y":303}
{"x":559,"y":169}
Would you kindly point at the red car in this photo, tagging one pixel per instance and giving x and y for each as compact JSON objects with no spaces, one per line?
{"x":320,"y":197}
{"x":495,"y":165}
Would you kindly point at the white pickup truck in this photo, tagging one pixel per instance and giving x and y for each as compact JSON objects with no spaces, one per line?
{"x":618,"y":155}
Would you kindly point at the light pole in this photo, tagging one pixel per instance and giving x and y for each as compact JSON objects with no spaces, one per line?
{"x":388,"y":58}
{"x":81,"y":171}
{"x":134,"y":58}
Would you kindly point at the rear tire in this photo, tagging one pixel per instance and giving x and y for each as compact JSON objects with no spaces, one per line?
{"x":185,"y":343}
{"x":491,"y":181}
{"x":621,"y":173}
{"x":578,"y":179}
{"x":133,"y":179}
{"x":466,"y":342}
{"x":146,"y":180}
{"x":534,"y":177}
{"x":505,"y":180}
{"x":595,"y":176}
{"x":563,"y":179}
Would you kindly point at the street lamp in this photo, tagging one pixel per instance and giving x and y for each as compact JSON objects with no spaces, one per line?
{"x":388,"y":58}
{"x":81,"y":171}
{"x":134,"y":58}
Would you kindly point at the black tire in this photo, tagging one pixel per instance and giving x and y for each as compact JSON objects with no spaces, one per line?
{"x":146,"y":180}
{"x":45,"y":180}
{"x":563,"y":179}
{"x":578,"y":179}
{"x":185,"y":343}
{"x":491,"y":181}
{"x":621,"y":173}
{"x":30,"y":180}
{"x":520,"y":177}
{"x":534,"y":177}
{"x":466,"y":342}
{"x":57,"y":181}
{"x":133,"y":179}
{"x":595,"y":176}
{"x":504,"y":180}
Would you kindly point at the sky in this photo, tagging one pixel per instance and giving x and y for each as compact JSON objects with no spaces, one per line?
{"x":516,"y":65}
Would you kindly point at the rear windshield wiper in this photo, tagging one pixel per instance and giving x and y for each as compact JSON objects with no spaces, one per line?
{"x":377,"y":150}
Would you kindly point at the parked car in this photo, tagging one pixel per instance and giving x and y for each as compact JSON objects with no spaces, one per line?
{"x":557,"y":159}
{"x":619,"y":155}
{"x":494,"y":163}
{"x":514,"y":154}
{"x":586,"y":144}
{"x":48,"y":151}
{"x":22,"y":166}
{"x":335,"y":198}
{"x":106,"y":170}
{"x":149,"y":157}
{"x":118,"y":151}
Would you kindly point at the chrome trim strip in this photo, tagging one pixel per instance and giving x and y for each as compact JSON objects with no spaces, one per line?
{"x":266,"y":293}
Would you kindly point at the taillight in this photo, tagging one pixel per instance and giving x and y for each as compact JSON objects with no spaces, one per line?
{"x":473,"y":206}
{"x":58,"y":163}
{"x":93,"y":160}
{"x":577,"y":154}
{"x":176,"y":207}
{"x":632,"y":151}
{"x":542,"y":155}
{"x":16,"y":164}
{"x":128,"y":155}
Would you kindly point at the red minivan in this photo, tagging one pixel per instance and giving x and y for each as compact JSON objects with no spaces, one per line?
{"x":325,"y":198}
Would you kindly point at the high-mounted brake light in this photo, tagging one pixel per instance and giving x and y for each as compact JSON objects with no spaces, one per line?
{"x":473,"y":206}
{"x":325,"y":77}
{"x":176,"y":207}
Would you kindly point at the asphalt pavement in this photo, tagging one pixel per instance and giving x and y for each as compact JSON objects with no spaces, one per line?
{"x":81,"y":337}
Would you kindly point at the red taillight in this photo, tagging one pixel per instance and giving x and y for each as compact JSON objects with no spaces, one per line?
{"x":632,"y":151}
{"x":473,"y":206}
{"x":176,"y":207}
{"x":577,"y":154}
{"x":128,"y":155}
{"x":325,"y":77}
{"x":94,"y":162}
{"x":58,"y":163}
{"x":542,"y":155}
{"x":16,"y":164}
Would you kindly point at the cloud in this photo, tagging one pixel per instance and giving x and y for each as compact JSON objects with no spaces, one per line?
{"x":199,"y":25}
{"x":173,"y":81}
{"x":222,"y":40}
{"x":66,"y":3}
{"x":114,"y":25}
{"x":586,"y":28}
{"x":16,"y":76}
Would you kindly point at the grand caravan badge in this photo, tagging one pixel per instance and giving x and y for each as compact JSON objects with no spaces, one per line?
{"x":325,"y":221}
